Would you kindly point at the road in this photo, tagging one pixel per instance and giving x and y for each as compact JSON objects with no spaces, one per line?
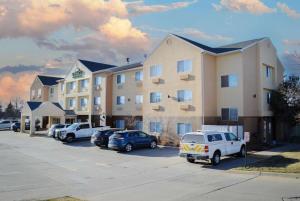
{"x":33,"y":168}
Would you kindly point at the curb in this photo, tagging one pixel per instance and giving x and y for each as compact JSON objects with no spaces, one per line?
{"x":288,"y":175}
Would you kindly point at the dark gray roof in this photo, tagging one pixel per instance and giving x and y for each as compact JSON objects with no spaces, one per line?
{"x":242,"y":44}
{"x":207,"y":48}
{"x":70,"y":112}
{"x":95,"y":66}
{"x":48,"y":80}
{"x":58,"y":105}
{"x":126,"y":67}
{"x":33,"y":105}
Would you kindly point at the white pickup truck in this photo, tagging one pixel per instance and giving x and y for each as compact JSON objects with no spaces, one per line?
{"x":210,"y":145}
{"x":78,"y":130}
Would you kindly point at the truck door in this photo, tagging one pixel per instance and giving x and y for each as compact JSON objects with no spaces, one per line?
{"x":84,"y":130}
{"x":232,"y":143}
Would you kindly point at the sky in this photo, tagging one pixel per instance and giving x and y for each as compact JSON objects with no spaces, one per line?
{"x":48,"y":36}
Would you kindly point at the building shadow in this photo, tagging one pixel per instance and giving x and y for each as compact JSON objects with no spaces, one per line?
{"x":80,"y":143}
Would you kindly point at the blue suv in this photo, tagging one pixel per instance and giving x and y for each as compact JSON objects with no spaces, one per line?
{"x":130,"y":139}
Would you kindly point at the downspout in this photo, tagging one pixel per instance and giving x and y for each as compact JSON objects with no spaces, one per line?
{"x":202,"y":86}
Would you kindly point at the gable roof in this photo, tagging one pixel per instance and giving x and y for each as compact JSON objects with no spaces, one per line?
{"x":48,"y":80}
{"x":242,"y":44}
{"x":127,"y":67}
{"x":207,"y":48}
{"x":33,"y":105}
{"x":57,"y":105}
{"x":95,"y":66}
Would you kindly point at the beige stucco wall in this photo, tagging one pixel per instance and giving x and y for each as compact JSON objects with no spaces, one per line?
{"x":129,"y":89}
{"x":36,"y":85}
{"x":230,"y":97}
{"x":171,"y":50}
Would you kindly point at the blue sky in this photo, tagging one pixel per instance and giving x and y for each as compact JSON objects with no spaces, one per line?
{"x":48,"y":36}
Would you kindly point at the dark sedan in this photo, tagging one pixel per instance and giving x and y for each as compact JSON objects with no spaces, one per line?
{"x":100,"y":138}
{"x":130,"y":139}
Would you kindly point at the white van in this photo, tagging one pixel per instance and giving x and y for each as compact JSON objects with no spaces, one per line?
{"x":210,"y":145}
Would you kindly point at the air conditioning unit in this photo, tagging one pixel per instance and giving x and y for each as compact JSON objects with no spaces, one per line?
{"x":185,"y":76}
{"x":184,"y":106}
{"x":155,"y":107}
{"x":156,"y":80}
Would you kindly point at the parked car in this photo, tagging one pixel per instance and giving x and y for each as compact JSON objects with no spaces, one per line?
{"x":6,"y":124}
{"x":101,"y":138}
{"x":130,"y":139}
{"x":78,"y":131}
{"x":52,"y":129}
{"x":210,"y":145}
{"x":58,"y":130}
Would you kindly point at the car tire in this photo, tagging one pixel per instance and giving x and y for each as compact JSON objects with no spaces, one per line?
{"x":242,"y":152}
{"x":216,"y":159}
{"x":128,"y":147}
{"x":69,"y":139}
{"x":190,"y":160}
{"x":153,"y":144}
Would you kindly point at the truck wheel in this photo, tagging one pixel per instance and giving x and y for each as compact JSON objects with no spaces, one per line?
{"x":190,"y":160}
{"x":242,"y":151}
{"x":128,"y":147}
{"x":216,"y":159}
{"x":69,"y":138}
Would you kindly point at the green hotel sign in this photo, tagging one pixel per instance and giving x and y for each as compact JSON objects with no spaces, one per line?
{"x":78,"y":74}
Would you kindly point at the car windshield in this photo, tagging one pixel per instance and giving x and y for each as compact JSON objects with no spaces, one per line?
{"x":73,"y":126}
{"x":193,"y":138}
{"x":119,"y":135}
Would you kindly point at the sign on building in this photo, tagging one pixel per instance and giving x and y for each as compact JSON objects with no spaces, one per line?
{"x":78,"y":73}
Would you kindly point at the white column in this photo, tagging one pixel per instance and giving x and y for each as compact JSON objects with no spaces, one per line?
{"x":22,"y":124}
{"x":32,"y":126}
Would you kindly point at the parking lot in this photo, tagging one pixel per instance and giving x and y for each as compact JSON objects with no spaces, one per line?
{"x":34,"y":168}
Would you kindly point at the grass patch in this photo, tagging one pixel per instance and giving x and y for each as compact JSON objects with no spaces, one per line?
{"x":286,"y":162}
{"x":66,"y":198}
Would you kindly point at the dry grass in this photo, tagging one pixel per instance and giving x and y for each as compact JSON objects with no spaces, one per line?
{"x":286,"y":162}
{"x":66,"y":198}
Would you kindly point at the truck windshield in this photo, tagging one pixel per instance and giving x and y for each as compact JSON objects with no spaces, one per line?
{"x":73,"y":126}
{"x":199,"y":139}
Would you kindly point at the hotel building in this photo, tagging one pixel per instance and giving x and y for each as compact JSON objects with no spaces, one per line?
{"x":181,"y":86}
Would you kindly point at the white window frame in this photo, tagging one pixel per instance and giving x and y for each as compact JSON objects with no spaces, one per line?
{"x":71,"y":102}
{"x":84,"y":101}
{"x":139,"y":76}
{"x":187,"y":127}
{"x":187,"y":95}
{"x":230,"y":111}
{"x":98,"y":80}
{"x":120,"y":100}
{"x":155,"y":127}
{"x":121,"y":80}
{"x":184,"y":66}
{"x":157,"y":98}
{"x":139,"y":99}
{"x":120,"y":123}
{"x":155,"y":70}
{"x":33,"y":93}
{"x":97,"y":100}
{"x":39,"y":92}
{"x":232,"y":81}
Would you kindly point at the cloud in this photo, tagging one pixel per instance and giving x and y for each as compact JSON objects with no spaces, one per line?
{"x":38,"y":18}
{"x":138,"y":7}
{"x":256,"y":7}
{"x":288,"y":11}
{"x":205,"y":36}
{"x":288,"y":42}
{"x":19,"y":69}
{"x":13,"y":86}
{"x":291,"y":61}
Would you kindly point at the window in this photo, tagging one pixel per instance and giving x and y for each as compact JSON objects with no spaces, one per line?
{"x":84,"y":84}
{"x":120,"y":100}
{"x":155,"y":127}
{"x":214,"y":137}
{"x":71,"y":102}
{"x":184,"y":66}
{"x":120,"y":79}
{"x":120,"y":124}
{"x":97,"y":100}
{"x":142,"y":134}
{"x":39,"y":92}
{"x":184,"y":95}
{"x":191,"y":138}
{"x":155,"y":97}
{"x":84,"y":126}
{"x":269,"y":71}
{"x":72,"y":86}
{"x":138,"y":99}
{"x":51,"y":90}
{"x":155,"y":70}
{"x":139,"y":76}
{"x":229,"y":81}
{"x":98,"y":81}
{"x":229,"y":114}
{"x":83,"y":102}
{"x":62,"y":87}
{"x":268,"y":94}
{"x":138,"y":125}
{"x":33,"y":93}
{"x":230,"y":137}
{"x":183,"y":128}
